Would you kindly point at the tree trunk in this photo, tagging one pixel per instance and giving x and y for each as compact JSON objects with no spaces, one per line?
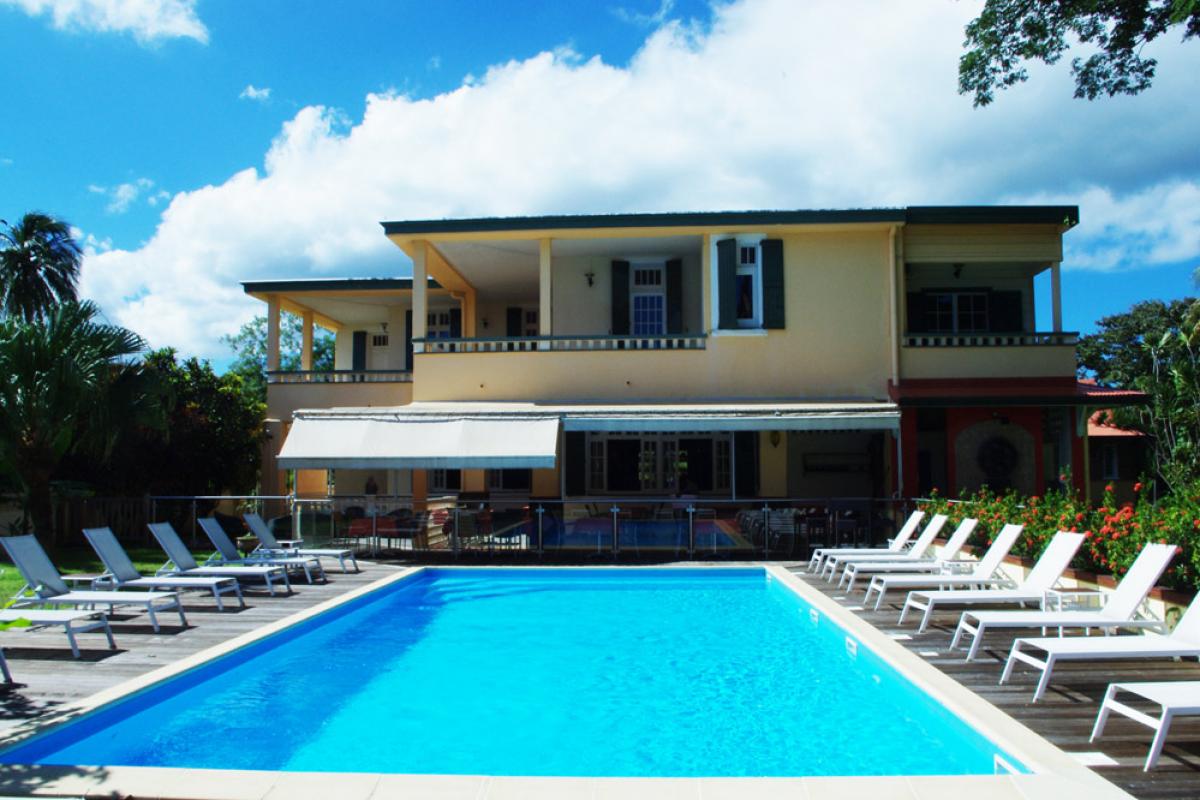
{"x":36,"y":470}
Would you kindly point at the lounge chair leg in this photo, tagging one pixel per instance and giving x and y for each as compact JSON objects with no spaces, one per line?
{"x":976,"y":642}
{"x":926,"y":617}
{"x":153,"y":618}
{"x":71,"y":640}
{"x":237,"y":588}
{"x":1102,"y":717}
{"x":1160,"y":738}
{"x":1012,"y":662}
{"x":270,"y":585}
{"x":4,"y":668}
{"x":217,"y":597}
{"x":179,"y":608}
{"x":879,"y":600}
{"x":958,"y":632}
{"x":112,"y":643}
{"x":1044,"y":680}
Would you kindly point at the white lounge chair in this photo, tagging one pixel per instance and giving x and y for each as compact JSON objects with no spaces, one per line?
{"x":123,"y":574}
{"x":45,"y":586}
{"x":1182,"y":642}
{"x":227,"y":553}
{"x":270,"y":546}
{"x":857,"y":569}
{"x":1119,"y":610}
{"x":180,"y":561}
{"x":896,"y":545}
{"x":1174,"y":698}
{"x":1044,"y":574}
{"x":837,"y":562}
{"x":977,"y":574}
{"x":72,"y":621}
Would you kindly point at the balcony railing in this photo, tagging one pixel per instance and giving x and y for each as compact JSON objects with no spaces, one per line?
{"x":1022,"y":339}
{"x":523,"y":344}
{"x":340,"y":376}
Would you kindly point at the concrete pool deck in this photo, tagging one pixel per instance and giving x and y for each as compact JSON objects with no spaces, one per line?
{"x":1057,"y":775}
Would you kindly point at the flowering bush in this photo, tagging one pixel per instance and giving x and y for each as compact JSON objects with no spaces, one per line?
{"x":1115,"y":534}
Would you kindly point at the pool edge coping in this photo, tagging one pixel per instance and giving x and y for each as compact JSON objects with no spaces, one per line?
{"x":179,"y":783}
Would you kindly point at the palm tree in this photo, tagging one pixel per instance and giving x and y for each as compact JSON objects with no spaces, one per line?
{"x":67,"y":384}
{"x":39,"y":265}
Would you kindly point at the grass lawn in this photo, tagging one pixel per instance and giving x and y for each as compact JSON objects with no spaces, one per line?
{"x":80,"y":560}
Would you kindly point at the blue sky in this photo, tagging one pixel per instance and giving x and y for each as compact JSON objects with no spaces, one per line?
{"x":197,"y":144}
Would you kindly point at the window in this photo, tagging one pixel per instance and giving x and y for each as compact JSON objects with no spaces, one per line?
{"x":596,"y":462}
{"x":1110,"y":464}
{"x":444,"y":480}
{"x":437,"y":325}
{"x":724,"y":464}
{"x":531,"y":322}
{"x":958,"y":312}
{"x":748,"y":287}
{"x":379,"y":340}
{"x":658,"y":463}
{"x":510,"y":480}
{"x":648,"y":304}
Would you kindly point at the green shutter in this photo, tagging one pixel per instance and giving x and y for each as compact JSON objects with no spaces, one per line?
{"x":513,"y":321}
{"x":674,"y":296}
{"x":918,"y":313}
{"x":456,"y":323}
{"x":620,"y":298}
{"x":575,"y":463}
{"x":408,"y":348}
{"x":727,"y":283}
{"x":1005,"y":312}
{"x":772,"y":283}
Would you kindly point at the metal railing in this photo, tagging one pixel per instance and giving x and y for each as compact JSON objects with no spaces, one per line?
{"x":340,"y":376}
{"x":598,"y":528}
{"x":1017,"y":339}
{"x":525,"y":344}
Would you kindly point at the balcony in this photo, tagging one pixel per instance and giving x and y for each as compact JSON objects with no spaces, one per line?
{"x":525,"y":344}
{"x":1029,"y":354}
{"x":339,"y":376}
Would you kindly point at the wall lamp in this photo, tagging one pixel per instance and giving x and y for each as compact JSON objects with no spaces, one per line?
{"x":591,"y":278}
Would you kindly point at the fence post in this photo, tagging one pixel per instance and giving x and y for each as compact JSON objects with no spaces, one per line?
{"x":616,"y":536}
{"x":766,"y":531}
{"x":540,"y":511}
{"x":454,"y":543}
{"x":691,"y":516}
{"x":193,"y":522}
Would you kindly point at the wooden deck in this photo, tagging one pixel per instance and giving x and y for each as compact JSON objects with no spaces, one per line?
{"x":1067,"y":712}
{"x":47,"y":676}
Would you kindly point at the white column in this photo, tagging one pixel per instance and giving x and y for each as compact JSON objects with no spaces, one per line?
{"x":419,"y":299}
{"x":306,"y":340}
{"x":1056,"y":294}
{"x":272,"y":333}
{"x":545,"y":292}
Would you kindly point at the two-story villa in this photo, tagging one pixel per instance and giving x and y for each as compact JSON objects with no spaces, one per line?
{"x":767,"y":354}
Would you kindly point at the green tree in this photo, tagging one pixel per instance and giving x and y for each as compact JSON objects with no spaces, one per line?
{"x":68,"y":382}
{"x":1153,"y":348}
{"x":210,"y":443}
{"x":1009,"y":33}
{"x":39,"y":265}
{"x":249,"y":346}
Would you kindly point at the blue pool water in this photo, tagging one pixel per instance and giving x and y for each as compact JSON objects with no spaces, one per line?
{"x":602,"y":672}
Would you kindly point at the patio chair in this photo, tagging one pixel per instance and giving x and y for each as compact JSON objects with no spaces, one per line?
{"x":1044,"y":574}
{"x":896,"y":545}
{"x":838,"y":563}
{"x":44,"y":585}
{"x":72,"y":621}
{"x":910,"y":562}
{"x":180,"y":561}
{"x":123,"y":574}
{"x":227,"y":553}
{"x":954,"y":574}
{"x":1119,"y":610}
{"x":269,"y":545}
{"x":1183,"y":642}
{"x":1174,"y":699}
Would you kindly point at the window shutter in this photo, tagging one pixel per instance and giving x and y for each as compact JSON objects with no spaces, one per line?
{"x":772,"y":283}
{"x":575,"y":462}
{"x":512,"y":321}
{"x":358,"y":357}
{"x":408,"y":348}
{"x":1005,"y":314}
{"x":456,"y":323}
{"x":620,"y":298}
{"x":745,"y":463}
{"x":674,"y":296}
{"x":454,"y":480}
{"x":727,"y":283}
{"x":917,"y":313}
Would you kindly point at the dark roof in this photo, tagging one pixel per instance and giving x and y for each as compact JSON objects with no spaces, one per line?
{"x":329,"y":284}
{"x":923,"y":215}
{"x":1064,"y":391}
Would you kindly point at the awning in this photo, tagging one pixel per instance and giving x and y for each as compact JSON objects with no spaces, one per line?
{"x":708,"y":418}
{"x":403,"y":441}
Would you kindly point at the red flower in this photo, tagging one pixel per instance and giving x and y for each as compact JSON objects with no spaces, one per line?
{"x":1137,"y":487}
{"x":1108,"y":488}
{"x":1079,"y":517}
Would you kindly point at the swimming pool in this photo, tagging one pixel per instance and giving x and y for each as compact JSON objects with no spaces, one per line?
{"x":598,"y":672}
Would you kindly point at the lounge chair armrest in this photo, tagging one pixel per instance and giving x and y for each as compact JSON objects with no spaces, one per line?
{"x":1062,"y":599}
{"x":290,"y":543}
{"x":958,"y":566}
{"x":90,"y":580}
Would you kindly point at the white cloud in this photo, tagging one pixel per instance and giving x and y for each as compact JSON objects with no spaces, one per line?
{"x":123,"y":195}
{"x":148,"y":20}
{"x":665,"y":7}
{"x":434,"y":63}
{"x":251,"y":92}
{"x":778,"y":105}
